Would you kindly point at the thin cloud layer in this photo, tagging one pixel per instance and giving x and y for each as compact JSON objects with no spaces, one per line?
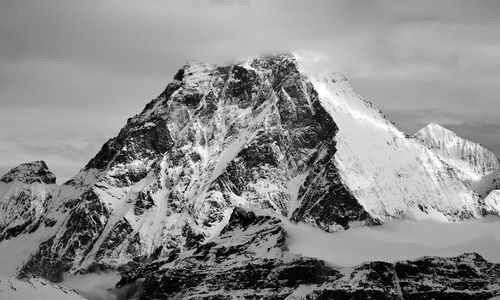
{"x":86,"y":66}
{"x":399,"y":240}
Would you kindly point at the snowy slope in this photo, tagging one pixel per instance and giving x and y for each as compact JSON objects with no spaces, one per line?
{"x":34,"y":288}
{"x":26,"y":196}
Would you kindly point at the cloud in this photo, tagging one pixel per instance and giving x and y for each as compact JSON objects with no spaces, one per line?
{"x":94,"y":286}
{"x":84,"y":67}
{"x":398,"y":240}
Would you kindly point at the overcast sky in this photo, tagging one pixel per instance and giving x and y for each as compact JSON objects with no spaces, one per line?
{"x":72,"y":72}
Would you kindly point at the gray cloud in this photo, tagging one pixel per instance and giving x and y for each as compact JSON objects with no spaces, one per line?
{"x":83,"y":67}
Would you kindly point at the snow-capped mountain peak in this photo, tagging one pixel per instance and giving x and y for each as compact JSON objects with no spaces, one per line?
{"x":31,"y":172}
{"x":475,"y":165}
{"x":469,"y":156}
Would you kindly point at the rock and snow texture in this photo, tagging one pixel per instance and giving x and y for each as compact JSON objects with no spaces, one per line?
{"x":32,"y":172}
{"x":264,"y":134}
{"x":471,"y":158}
{"x":250,"y":260}
{"x":26,"y":193}
{"x":476,"y":166}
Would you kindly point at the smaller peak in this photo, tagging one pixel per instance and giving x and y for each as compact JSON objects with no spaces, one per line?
{"x":433,"y":125}
{"x":434,"y":128}
{"x":30,"y":172}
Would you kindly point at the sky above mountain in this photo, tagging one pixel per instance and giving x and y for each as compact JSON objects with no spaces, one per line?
{"x":72,"y":72}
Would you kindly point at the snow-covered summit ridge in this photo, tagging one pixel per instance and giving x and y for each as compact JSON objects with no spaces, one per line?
{"x":469,"y":156}
{"x":31,"y":172}
{"x":457,"y":150}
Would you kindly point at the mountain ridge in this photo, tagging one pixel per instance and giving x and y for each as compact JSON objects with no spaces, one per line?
{"x":478,"y":167}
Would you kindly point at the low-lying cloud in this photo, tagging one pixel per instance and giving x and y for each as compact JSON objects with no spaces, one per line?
{"x":399,"y":240}
{"x":94,"y":286}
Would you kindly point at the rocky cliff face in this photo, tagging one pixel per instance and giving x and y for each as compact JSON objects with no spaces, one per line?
{"x":265,"y":134}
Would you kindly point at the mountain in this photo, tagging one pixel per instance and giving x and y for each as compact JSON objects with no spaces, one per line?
{"x":28,"y":173}
{"x":266,"y":135}
{"x":26,"y":193}
{"x":476,"y":166}
{"x":471,"y":157}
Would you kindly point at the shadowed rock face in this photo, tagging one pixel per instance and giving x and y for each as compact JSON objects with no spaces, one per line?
{"x":250,"y":260}
{"x":32,"y":172}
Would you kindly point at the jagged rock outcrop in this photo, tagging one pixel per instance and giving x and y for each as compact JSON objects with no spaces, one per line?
{"x":250,"y":259}
{"x":262,"y":134}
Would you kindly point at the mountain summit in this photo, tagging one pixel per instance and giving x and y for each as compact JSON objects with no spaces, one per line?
{"x":32,"y":172}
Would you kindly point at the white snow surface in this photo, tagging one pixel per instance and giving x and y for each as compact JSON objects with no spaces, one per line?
{"x":34,"y":288}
